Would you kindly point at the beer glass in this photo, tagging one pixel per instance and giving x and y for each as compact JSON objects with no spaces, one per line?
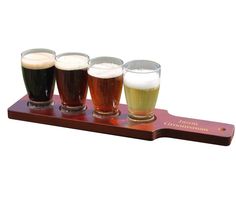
{"x":141,"y":84}
{"x":38,"y":73}
{"x":72,"y":80}
{"x":105,"y":84}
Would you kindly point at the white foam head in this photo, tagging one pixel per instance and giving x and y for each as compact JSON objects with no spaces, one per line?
{"x":38,"y":60}
{"x":105,"y":70}
{"x":142,"y":79}
{"x":71,"y":62}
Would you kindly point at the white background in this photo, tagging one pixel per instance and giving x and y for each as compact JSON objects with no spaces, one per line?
{"x":49,"y":173}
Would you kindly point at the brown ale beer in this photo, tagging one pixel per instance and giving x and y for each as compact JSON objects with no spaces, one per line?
{"x":105,"y":85}
{"x":72,"y":80}
{"x":39,"y":77}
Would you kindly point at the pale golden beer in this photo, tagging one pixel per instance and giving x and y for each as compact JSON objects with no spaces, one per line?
{"x":141,"y":84}
{"x":141,"y":101}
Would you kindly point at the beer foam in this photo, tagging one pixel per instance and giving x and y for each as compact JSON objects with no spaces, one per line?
{"x":71,"y":62}
{"x":38,"y":60}
{"x":143,"y":79}
{"x":105,"y":70}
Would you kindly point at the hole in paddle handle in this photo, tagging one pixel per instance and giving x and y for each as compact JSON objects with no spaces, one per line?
{"x":221,"y":129}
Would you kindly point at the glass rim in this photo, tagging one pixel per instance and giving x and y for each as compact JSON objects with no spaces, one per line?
{"x":35,"y":50}
{"x":105,"y":57}
{"x":71,"y":53}
{"x":155,"y":64}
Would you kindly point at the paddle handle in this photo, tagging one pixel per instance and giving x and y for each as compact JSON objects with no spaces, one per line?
{"x":197,"y":130}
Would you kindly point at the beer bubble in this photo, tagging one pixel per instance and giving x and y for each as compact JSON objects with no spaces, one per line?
{"x":71,"y":62}
{"x":38,"y":60}
{"x":141,"y":79}
{"x":105,"y":70}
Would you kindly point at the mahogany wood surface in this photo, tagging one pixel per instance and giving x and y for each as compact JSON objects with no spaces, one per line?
{"x":164,"y":125}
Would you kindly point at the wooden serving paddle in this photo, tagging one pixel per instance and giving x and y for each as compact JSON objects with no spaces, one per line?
{"x":165,"y":125}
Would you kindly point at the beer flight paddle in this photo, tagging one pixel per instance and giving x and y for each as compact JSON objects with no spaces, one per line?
{"x":164,"y":124}
{"x":75,"y":72}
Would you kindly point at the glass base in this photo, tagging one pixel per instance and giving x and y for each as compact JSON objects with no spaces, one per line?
{"x":144,"y":119}
{"x":104,"y":115}
{"x":72,"y":109}
{"x":40,"y":105}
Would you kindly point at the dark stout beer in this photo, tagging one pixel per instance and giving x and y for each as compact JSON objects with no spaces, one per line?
{"x":38,"y":74}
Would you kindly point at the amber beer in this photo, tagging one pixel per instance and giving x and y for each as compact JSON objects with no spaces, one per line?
{"x":141,"y":84}
{"x":39,"y":77}
{"x":105,"y":85}
{"x":72,"y":80}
